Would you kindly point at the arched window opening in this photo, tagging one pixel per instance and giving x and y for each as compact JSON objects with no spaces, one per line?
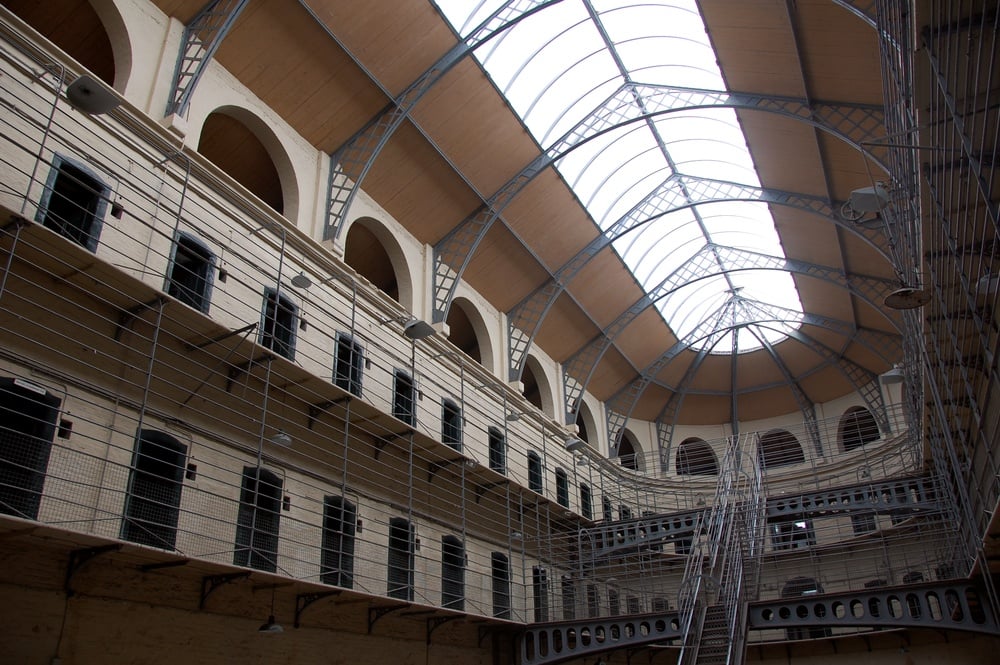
{"x":257,"y":522}
{"x":278,"y":323}
{"x":562,"y":488}
{"x":498,"y":450}
{"x":364,"y":252}
{"x":857,"y":427}
{"x":340,"y":518}
{"x":532,"y":391}
{"x":630,"y":452}
{"x":452,"y":573}
{"x":803,"y":586}
{"x":400,"y":566}
{"x":779,"y":448}
{"x":152,"y":504}
{"x":191,"y":272}
{"x":234,"y":148}
{"x":696,"y":458}
{"x":461,"y":332}
{"x":451,"y":424}
{"x":500,"y":568}
{"x":51,"y":17}
{"x":73,"y":202}
{"x":27,"y":427}
{"x":535,"y":476}
{"x":581,"y":426}
{"x":586,"y":502}
{"x":404,"y":403}
{"x":348,"y":361}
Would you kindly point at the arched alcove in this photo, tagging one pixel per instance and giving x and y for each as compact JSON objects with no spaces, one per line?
{"x":467,"y":331}
{"x":73,"y":26}
{"x":232,"y":145}
{"x":364,"y":252}
{"x":779,"y":447}
{"x":586,"y":425}
{"x":630,"y":453}
{"x":696,"y":458}
{"x":537,"y":387}
{"x":857,"y":427}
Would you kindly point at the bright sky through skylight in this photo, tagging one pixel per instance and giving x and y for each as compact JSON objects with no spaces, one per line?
{"x":559,"y":65}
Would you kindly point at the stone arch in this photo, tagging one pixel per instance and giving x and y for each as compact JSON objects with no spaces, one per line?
{"x":468,"y":331}
{"x":856,"y":428}
{"x":630,"y":453}
{"x":371,"y":248}
{"x":696,"y":458}
{"x":537,"y":386}
{"x":241,"y":144}
{"x":586,"y":424}
{"x":779,"y":447}
{"x":105,"y":52}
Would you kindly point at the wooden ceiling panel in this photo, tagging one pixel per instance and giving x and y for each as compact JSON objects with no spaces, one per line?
{"x":606,"y":288}
{"x":566,"y":329}
{"x":839,"y":53}
{"x":738,"y":28}
{"x":396,"y":44}
{"x":502,"y":270}
{"x":182,"y":10}
{"x":785,"y":152}
{"x":825,"y":385}
{"x":412,"y":182}
{"x":472,"y":124}
{"x":612,"y":374}
{"x":651,"y":402}
{"x":646,"y":339}
{"x":808,"y":237}
{"x":825,"y":298}
{"x":302,"y":74}
{"x":766,"y":403}
{"x":549,"y":219}
{"x":705,"y":410}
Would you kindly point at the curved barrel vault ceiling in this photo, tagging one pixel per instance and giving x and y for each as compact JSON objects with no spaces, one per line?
{"x":333,"y":67}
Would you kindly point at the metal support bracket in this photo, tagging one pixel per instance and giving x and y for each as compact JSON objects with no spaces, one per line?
{"x":210,"y":583}
{"x":220,"y":338}
{"x":126,"y":318}
{"x":376,"y":613}
{"x":482,"y":489}
{"x":77,"y":559}
{"x":436,"y":622}
{"x":434,"y":467}
{"x":304,"y":600}
{"x":244,"y":367}
{"x":316,"y":409}
{"x":386,"y":439}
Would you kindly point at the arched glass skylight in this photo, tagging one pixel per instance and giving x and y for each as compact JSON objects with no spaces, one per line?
{"x":557,"y":66}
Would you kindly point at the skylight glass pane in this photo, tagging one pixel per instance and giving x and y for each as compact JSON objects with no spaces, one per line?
{"x":558,"y":66}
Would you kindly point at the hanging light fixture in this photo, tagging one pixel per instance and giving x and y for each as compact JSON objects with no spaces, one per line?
{"x":271,"y":626}
{"x":893,"y":376}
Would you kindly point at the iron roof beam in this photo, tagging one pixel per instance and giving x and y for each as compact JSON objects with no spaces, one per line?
{"x":856,"y":124}
{"x":677,"y":192}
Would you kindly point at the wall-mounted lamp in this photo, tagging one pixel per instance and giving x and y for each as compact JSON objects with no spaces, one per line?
{"x":414,"y":328}
{"x":516,"y":535}
{"x":281,"y":438}
{"x":893,"y":376}
{"x":574,"y":444}
{"x":908,"y":297}
{"x":90,"y":96}
{"x":864,"y":201}
{"x":301,"y":281}
{"x":514,"y":416}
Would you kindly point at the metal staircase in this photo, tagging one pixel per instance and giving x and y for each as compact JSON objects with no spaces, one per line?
{"x":721,"y":573}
